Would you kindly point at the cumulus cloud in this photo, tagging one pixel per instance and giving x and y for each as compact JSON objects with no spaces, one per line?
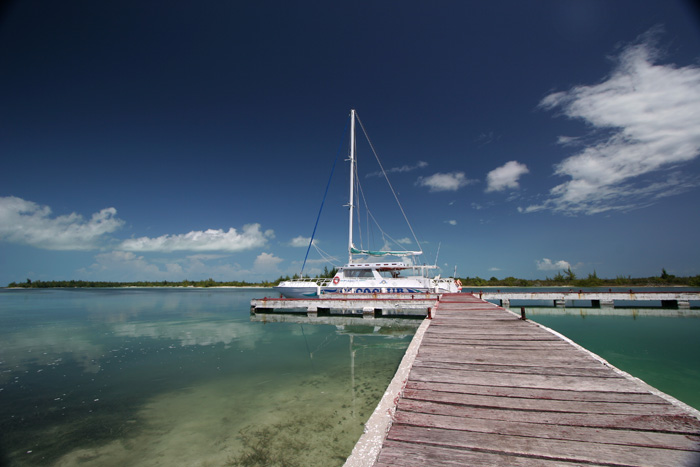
{"x":301,"y":241}
{"x":127,"y":264}
{"x":452,"y":181}
{"x":546,"y":264}
{"x":208,"y":240}
{"x":28,"y":223}
{"x":401,"y":169}
{"x":451,"y":222}
{"x":266,"y":262}
{"x":505,"y":176}
{"x":647,"y":117}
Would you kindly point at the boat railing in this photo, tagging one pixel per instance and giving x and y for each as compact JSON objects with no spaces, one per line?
{"x":322,"y":281}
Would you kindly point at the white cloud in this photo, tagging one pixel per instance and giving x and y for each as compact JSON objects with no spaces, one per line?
{"x":404,"y":241}
{"x":505,"y":176}
{"x":121,"y":264}
{"x":401,"y":169}
{"x":266,"y":262}
{"x":28,"y":223}
{"x":452,"y":181}
{"x":209,"y":240}
{"x":128,"y":266}
{"x":301,"y":241}
{"x":649,"y":119}
{"x":451,"y":222}
{"x":547,"y":265}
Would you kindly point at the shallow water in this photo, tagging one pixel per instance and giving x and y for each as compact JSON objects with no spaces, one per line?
{"x":660,"y":347}
{"x":115,"y":377}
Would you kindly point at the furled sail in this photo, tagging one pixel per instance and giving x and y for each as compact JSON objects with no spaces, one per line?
{"x":355,"y":251}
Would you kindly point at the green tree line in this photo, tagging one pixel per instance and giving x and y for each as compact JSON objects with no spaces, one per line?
{"x":569,"y":278}
{"x":39,"y":284}
{"x":563,"y":278}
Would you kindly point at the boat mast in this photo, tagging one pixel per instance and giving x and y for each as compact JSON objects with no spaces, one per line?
{"x":352,"y":181}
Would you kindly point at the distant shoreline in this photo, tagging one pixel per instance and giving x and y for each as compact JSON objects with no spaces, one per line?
{"x":568,"y":280}
{"x":466,"y":289}
{"x":149,"y":287}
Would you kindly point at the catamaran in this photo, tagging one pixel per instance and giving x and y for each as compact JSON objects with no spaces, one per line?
{"x":363,"y":276}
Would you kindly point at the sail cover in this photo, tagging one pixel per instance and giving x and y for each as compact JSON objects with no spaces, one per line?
{"x":355,"y":251}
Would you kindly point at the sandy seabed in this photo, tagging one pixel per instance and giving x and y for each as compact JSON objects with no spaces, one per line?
{"x":314,"y":421}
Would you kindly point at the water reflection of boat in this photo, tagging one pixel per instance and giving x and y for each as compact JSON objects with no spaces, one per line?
{"x":363,"y":276}
{"x":346,"y":324}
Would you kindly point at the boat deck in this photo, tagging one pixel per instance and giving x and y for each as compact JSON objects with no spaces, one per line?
{"x":487,"y":388}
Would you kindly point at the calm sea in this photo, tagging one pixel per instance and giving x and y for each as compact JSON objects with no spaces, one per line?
{"x":147,"y":377}
{"x":116,"y":377}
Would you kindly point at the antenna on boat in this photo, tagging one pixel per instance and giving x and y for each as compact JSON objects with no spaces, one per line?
{"x":438,"y":253}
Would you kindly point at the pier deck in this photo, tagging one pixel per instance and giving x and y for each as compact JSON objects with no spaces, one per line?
{"x":487,"y":388}
{"x":369,"y":305}
{"x":667,"y":299}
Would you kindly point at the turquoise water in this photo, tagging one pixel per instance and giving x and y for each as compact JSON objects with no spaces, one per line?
{"x":660,"y":347}
{"x":115,"y":377}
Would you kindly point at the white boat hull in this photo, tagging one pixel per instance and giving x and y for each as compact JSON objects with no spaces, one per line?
{"x":310,"y":289}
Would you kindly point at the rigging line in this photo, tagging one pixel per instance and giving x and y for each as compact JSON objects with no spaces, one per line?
{"x":387,"y":180}
{"x":313,"y":234}
{"x":326,"y":257}
{"x":361,"y":194}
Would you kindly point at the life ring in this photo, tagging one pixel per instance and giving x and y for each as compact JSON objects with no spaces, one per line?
{"x":336,"y":279}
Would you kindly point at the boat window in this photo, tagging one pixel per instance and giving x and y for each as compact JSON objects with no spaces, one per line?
{"x":358,"y":273}
{"x":392,"y":274}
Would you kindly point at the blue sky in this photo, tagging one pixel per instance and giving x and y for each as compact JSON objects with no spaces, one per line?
{"x":143,"y":142}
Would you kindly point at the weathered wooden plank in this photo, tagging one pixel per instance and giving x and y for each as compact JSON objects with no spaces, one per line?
{"x":641,"y":397}
{"x":469,"y":320}
{"x":493,"y":332}
{"x":498,"y":346}
{"x":510,"y":356}
{"x":550,"y":370}
{"x":487,"y":332}
{"x":402,"y":454}
{"x":645,"y":422}
{"x":561,"y":432}
{"x":523,"y":403}
{"x":488,"y":378}
{"x":571,"y":451}
{"x":496,"y":341}
{"x":503,"y":339}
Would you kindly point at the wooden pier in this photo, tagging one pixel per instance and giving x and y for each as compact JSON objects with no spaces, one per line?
{"x":483,"y":387}
{"x":665,"y":299}
{"x":366,"y":305}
